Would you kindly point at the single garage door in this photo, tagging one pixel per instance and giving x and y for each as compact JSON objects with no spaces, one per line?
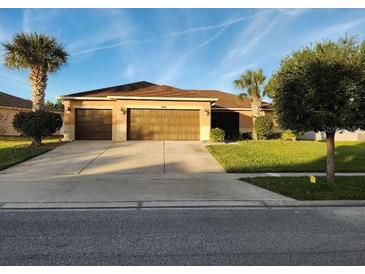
{"x":163,"y":124}
{"x":93,"y":124}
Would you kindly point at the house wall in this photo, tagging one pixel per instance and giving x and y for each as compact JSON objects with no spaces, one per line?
{"x":358,"y":136}
{"x":119,"y":119}
{"x":245,"y":121}
{"x":6,"y":120}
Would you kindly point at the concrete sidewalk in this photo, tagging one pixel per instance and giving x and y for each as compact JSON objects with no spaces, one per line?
{"x":131,"y":174}
{"x":131,"y":187}
{"x":293,"y":174}
{"x":268,"y":204}
{"x":103,"y":171}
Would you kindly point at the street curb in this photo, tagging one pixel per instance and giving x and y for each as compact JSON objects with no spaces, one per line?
{"x":179,"y":204}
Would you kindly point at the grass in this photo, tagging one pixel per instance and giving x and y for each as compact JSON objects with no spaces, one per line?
{"x":287,"y":156}
{"x":14,"y":150}
{"x":345,"y":188}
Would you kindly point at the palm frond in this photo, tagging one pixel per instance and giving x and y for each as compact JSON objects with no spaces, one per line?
{"x":251,"y":83}
{"x":28,"y":50}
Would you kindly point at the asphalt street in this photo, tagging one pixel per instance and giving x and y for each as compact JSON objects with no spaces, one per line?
{"x":237,"y":236}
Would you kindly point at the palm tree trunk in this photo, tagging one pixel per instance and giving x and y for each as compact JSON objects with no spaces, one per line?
{"x":255,"y":106}
{"x":38,"y":82}
{"x":330,"y":140}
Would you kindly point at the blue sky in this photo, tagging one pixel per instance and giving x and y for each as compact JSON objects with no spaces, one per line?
{"x":186,"y":48}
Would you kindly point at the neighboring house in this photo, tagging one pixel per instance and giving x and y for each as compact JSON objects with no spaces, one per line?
{"x":358,"y":135}
{"x":147,"y":111}
{"x":9,"y":106}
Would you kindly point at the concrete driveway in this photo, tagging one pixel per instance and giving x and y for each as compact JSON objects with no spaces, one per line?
{"x":103,"y":171}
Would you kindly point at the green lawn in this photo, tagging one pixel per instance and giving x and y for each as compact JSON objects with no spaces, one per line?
{"x":282,"y":156}
{"x":300,"y":188}
{"x":17,"y":149}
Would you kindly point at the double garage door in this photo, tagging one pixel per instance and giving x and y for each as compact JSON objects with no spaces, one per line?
{"x":142,"y":124}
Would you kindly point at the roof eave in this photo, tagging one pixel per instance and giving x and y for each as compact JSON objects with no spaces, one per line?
{"x":137,"y":98}
{"x":164,"y":98}
{"x":16,"y":108}
{"x":83,"y":98}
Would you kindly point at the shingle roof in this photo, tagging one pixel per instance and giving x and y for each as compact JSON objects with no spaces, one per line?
{"x":113,"y":91}
{"x":147,"y":89}
{"x":7,"y":100}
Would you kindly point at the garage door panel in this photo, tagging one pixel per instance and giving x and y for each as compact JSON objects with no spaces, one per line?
{"x":155,"y":124}
{"x":93,"y":124}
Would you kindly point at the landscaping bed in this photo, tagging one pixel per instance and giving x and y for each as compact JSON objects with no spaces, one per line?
{"x":287,"y":156}
{"x":300,"y":188}
{"x":14,"y":150}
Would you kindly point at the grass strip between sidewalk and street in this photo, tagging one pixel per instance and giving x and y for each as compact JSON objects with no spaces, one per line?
{"x":300,"y":188}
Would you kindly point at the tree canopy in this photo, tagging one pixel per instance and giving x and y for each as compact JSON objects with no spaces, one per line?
{"x":321,"y":88}
{"x":28,"y":50}
{"x":250,"y":82}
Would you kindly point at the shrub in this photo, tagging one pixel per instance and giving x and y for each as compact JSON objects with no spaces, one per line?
{"x":247,"y":136}
{"x":233,"y":135}
{"x":37,"y":124}
{"x":275,"y":135}
{"x":263,"y":126}
{"x":289,"y":135}
{"x":217,"y":135}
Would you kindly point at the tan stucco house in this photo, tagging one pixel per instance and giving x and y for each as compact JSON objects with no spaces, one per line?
{"x":9,"y":106}
{"x":147,"y":111}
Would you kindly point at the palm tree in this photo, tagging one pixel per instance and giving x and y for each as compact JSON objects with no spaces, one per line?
{"x":251,"y":83}
{"x":39,"y":53}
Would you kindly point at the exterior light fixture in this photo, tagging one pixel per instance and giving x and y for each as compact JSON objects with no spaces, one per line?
{"x":68,"y":110}
{"x":123,"y":110}
{"x":207,"y":111}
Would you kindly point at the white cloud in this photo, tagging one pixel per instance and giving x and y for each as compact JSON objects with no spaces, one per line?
{"x":211,"y":38}
{"x":205,"y":28}
{"x":295,"y":12}
{"x":132,"y":70}
{"x":336,"y":30}
{"x":116,"y":26}
{"x":259,"y":27}
{"x":14,"y":78}
{"x":239,"y":56}
{"x":34,"y":19}
{"x":172,"y":71}
{"x":223,"y":27}
{"x":90,"y":50}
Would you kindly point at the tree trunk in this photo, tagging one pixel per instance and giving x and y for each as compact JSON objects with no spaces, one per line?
{"x":38,"y":82}
{"x":255,"y":106}
{"x":330,"y":140}
{"x":37,"y":141}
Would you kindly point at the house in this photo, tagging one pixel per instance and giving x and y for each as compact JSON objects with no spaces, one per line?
{"x":147,"y":111}
{"x":9,"y":106}
{"x":344,"y":135}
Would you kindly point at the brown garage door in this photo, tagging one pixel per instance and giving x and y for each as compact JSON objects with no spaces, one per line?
{"x":93,"y":124}
{"x":163,"y":124}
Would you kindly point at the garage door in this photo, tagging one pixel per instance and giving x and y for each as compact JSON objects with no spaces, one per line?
{"x":93,"y":124}
{"x":163,"y":124}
